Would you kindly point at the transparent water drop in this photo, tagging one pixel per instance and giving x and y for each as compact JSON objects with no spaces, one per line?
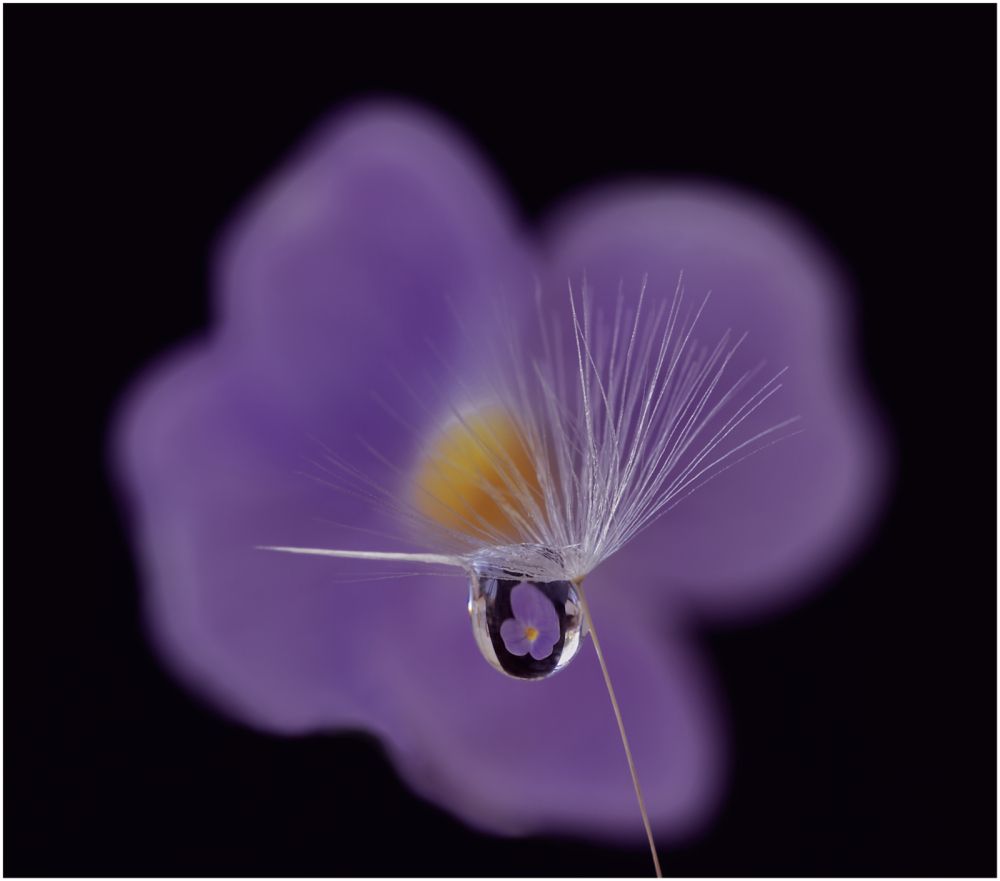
{"x":525,"y":628}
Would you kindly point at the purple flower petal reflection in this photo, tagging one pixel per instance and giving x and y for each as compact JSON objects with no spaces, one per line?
{"x":535,"y":625}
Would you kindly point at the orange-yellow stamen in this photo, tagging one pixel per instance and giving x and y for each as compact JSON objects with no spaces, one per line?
{"x":474,"y":477}
{"x":531,"y":633}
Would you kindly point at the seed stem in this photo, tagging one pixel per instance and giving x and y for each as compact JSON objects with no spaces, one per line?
{"x":621,"y":727}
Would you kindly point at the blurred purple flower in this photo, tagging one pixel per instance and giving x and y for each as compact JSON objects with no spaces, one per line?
{"x":380,"y":230}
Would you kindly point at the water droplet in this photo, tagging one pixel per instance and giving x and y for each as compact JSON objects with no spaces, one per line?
{"x":525,"y":628}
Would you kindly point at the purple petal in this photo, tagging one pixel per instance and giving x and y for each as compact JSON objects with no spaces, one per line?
{"x":329,"y":282}
{"x":768,"y":528}
{"x":530,"y":757}
{"x":515,"y":638}
{"x":541,"y":647}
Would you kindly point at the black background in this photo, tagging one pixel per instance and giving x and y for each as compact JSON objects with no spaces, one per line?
{"x":865,"y":722}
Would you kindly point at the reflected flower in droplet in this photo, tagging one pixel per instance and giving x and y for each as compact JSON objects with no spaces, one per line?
{"x":385,"y":230}
{"x":534,"y":629}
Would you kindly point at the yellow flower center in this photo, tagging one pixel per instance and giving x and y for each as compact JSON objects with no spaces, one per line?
{"x":531,"y":633}
{"x":473,"y":476}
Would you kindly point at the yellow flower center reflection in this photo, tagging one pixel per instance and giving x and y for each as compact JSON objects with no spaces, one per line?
{"x":474,"y":476}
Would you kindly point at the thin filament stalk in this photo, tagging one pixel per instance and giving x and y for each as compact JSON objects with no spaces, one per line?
{"x":621,"y":727}
{"x":439,"y":559}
